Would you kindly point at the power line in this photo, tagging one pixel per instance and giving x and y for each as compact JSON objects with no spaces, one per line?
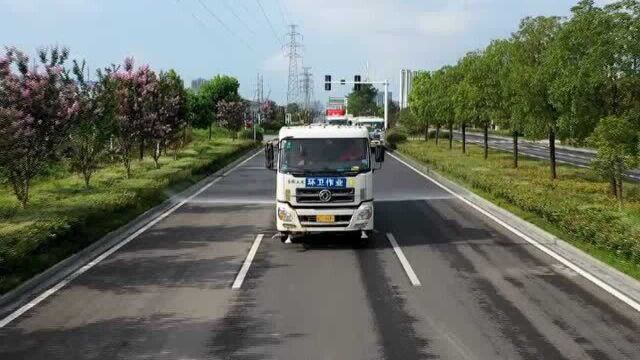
{"x":275,"y":33}
{"x":283,"y":13}
{"x":226,"y":3}
{"x":224,"y":25}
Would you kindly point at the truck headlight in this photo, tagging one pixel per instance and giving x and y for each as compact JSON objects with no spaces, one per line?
{"x":285,"y":214}
{"x":364,"y":213}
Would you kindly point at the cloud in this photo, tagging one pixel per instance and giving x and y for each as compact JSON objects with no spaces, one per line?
{"x":277,"y":63}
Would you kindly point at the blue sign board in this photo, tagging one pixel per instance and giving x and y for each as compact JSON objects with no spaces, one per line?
{"x":325,"y":182}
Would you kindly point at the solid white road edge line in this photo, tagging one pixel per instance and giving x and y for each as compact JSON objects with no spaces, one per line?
{"x":584,"y":273}
{"x":403,"y":260}
{"x":14,"y":315}
{"x":244,"y":270}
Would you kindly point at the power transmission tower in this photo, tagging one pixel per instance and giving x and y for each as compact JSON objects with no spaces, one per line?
{"x":307,"y":87}
{"x":293,"y":47}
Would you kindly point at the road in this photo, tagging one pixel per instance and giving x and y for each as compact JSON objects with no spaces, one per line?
{"x":541,"y":151}
{"x":483,"y":294}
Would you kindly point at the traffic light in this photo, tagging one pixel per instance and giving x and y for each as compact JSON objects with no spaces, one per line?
{"x":356,"y":86}
{"x":327,"y":82}
{"x":343,"y":81}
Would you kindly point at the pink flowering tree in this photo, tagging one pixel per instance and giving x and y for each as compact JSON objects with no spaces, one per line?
{"x":268,"y":110}
{"x":90,"y":134}
{"x":135,"y":90}
{"x":37,"y":105}
{"x":166,"y":121}
{"x":231,"y":114}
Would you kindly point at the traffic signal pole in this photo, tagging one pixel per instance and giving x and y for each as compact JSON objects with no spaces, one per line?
{"x":327,"y":86}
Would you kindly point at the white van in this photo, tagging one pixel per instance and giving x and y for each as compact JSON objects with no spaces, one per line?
{"x":324,"y":180}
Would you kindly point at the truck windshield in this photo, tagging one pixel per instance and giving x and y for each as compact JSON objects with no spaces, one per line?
{"x":372,"y":125}
{"x":324,"y":156}
{"x":338,"y":122}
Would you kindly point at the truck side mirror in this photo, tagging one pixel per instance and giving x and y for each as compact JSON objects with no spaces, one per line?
{"x":269,"y":156}
{"x":379,"y":154}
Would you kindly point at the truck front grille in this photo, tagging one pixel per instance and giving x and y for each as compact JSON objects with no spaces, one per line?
{"x":307,"y":196}
{"x":312,"y":219}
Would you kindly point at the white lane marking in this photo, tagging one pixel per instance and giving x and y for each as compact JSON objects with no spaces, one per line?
{"x":584,"y":273}
{"x":17,"y":313}
{"x":237,"y":284}
{"x":403,"y":260}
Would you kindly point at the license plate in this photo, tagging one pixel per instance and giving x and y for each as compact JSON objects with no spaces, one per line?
{"x":325,"y":218}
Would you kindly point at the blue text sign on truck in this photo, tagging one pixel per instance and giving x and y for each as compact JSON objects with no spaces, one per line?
{"x":326,"y":182}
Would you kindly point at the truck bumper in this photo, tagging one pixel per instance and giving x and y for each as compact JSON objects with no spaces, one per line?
{"x":293,"y":220}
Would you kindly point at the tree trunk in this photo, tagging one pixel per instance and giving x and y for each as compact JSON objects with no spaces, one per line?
{"x":486,"y":141}
{"x":437,"y":133}
{"x":87,"y":178}
{"x":141,"y":149}
{"x":450,"y":136}
{"x":613,"y":182}
{"x":464,"y":138}
{"x":24,"y":196}
{"x":156,"y":155}
{"x":515,"y":149}
{"x":210,"y":126}
{"x":620,"y":178}
{"x":552,"y":154}
{"x":426,"y":133}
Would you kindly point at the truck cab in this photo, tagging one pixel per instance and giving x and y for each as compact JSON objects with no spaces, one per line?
{"x":324,"y":180}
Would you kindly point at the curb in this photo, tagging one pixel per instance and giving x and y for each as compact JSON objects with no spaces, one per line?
{"x":613,"y":278}
{"x":30,"y":289}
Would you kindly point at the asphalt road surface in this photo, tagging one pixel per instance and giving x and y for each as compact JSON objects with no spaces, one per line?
{"x":483,"y":294}
{"x":541,"y":151}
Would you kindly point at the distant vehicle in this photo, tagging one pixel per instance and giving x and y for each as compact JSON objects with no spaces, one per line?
{"x":375,"y":126}
{"x":337,"y":120}
{"x":324,"y":180}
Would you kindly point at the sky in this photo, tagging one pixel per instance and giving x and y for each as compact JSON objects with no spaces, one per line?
{"x":241,"y":38}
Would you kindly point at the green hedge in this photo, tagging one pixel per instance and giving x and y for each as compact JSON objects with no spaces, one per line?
{"x":578,"y":202}
{"x":395,"y":136}
{"x":64,"y":217}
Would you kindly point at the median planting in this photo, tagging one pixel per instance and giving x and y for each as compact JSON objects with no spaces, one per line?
{"x":578,"y":207}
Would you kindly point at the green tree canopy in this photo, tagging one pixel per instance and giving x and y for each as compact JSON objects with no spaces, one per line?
{"x":363,"y":102}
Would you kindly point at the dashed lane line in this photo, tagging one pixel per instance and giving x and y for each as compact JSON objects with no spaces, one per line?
{"x":413,"y":278}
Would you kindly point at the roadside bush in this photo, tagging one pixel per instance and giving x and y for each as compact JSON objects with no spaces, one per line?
{"x":245,"y":134}
{"x":395,"y":137}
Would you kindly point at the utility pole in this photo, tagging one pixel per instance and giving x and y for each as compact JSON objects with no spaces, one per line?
{"x":307,"y":87}
{"x":293,"y":50}
{"x":259,"y":99}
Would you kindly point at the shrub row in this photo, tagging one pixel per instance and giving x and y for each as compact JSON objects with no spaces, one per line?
{"x":64,"y":218}
{"x":578,"y":204}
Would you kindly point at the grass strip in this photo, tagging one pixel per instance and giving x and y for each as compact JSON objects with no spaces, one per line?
{"x":64,"y":217}
{"x":576,"y":207}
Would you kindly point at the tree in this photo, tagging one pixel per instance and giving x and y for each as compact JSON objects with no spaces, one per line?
{"x":212,"y":92}
{"x":268,"y":111}
{"x":445,"y":83}
{"x":408,"y":120}
{"x":134,"y":92}
{"x":421,"y":101}
{"x":167,"y":116}
{"x":37,"y":105}
{"x":468,"y":98}
{"x":499,"y":96}
{"x":617,"y":144}
{"x":93,"y":124}
{"x":532,"y":80}
{"x":231,"y":114}
{"x":362,"y":102}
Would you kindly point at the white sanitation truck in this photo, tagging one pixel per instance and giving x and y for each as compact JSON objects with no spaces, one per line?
{"x":324,"y":180}
{"x":375,"y":125}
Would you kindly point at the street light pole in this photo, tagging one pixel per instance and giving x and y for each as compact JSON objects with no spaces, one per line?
{"x":386,"y":105}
